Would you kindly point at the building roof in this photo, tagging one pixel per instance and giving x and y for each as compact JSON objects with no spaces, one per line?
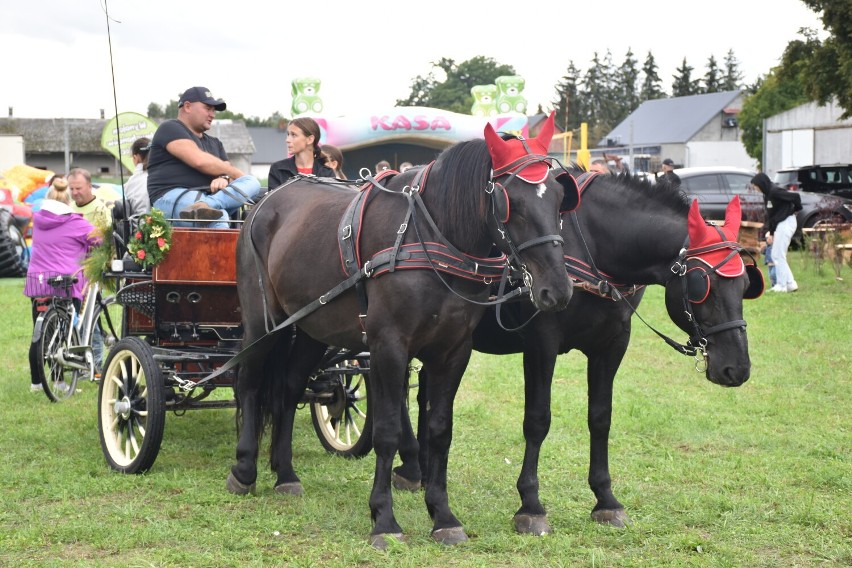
{"x":670,"y":121}
{"x":270,"y":144}
{"x":48,"y":135}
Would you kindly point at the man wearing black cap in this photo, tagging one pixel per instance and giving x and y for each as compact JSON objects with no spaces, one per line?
{"x":189,"y":171}
{"x":669,"y":177}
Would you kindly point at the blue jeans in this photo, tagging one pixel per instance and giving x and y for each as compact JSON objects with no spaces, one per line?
{"x":783,"y":235}
{"x":229,"y":200}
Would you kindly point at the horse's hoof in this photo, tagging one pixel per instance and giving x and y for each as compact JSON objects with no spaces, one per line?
{"x":380,"y":541}
{"x":291,"y":488}
{"x":532,"y":524}
{"x":233,"y":485}
{"x":613,"y":517}
{"x":450,"y":535}
{"x":403,"y":484}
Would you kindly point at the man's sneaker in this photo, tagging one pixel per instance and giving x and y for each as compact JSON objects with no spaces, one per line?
{"x":62,"y":387}
{"x":792,"y":287}
{"x":36,"y":387}
{"x":201,"y":212}
{"x":778,"y":288}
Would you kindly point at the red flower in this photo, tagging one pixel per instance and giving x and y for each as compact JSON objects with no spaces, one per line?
{"x":138,"y":235}
{"x":161,"y":242}
{"x":140,"y":254}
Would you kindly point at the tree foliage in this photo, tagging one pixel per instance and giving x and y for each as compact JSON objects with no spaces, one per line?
{"x":652,"y":85}
{"x":830,"y":62}
{"x":683,"y":85}
{"x":712,"y":78}
{"x":452,"y":93}
{"x":733,"y":78}
{"x":774,"y":95}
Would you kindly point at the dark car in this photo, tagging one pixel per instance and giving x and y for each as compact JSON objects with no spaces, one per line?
{"x":835,"y":179}
{"x":715,"y":186}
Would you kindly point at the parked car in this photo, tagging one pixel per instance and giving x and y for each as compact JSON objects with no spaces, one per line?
{"x":835,"y":179}
{"x":714,"y":187}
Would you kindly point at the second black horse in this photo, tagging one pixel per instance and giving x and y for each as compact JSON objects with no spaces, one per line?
{"x":627,"y":234}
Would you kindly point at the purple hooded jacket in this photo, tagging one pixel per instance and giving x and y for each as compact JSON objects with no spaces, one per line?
{"x":61,"y":240}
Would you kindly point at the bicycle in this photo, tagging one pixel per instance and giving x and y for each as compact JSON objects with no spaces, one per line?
{"x":63,"y":336}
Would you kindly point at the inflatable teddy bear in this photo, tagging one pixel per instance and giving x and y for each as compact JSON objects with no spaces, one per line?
{"x":484,"y":100}
{"x":509,"y":97}
{"x":305,"y":98}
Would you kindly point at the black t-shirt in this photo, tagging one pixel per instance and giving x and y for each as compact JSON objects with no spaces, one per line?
{"x":166,"y":172}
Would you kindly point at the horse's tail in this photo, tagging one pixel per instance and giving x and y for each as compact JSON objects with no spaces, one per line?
{"x":266,"y":385}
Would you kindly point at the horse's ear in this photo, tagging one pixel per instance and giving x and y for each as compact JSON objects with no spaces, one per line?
{"x":696,"y":224}
{"x":733,"y":217}
{"x":493,"y":140}
{"x":545,"y":135}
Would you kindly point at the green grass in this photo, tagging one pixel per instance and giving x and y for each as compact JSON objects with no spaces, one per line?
{"x":754,"y":476}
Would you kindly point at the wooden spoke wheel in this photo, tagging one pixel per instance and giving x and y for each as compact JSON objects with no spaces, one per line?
{"x":342,"y":421}
{"x":131,"y":407}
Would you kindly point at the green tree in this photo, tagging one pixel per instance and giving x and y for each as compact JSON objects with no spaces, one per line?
{"x":830,"y":64}
{"x":567,"y":103}
{"x":598,"y":96}
{"x":774,"y":94}
{"x":651,"y":84}
{"x":683,"y":84}
{"x":627,"y":85}
{"x":453,"y":93}
{"x":712,"y":80}
{"x":732,"y":79}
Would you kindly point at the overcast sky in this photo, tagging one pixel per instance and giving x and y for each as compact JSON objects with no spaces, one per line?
{"x":56,"y":53}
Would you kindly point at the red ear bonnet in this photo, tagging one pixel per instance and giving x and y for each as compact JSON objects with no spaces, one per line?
{"x":507,"y":155}
{"x":701,"y":235}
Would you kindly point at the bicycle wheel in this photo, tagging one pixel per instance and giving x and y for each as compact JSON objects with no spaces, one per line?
{"x":58,"y":381}
{"x":131,"y":407}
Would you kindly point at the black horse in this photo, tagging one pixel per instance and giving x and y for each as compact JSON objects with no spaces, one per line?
{"x":627,"y":234}
{"x":391,"y":274}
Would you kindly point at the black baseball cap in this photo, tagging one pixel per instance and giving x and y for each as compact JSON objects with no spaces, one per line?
{"x":666,"y":162}
{"x":201,"y":95}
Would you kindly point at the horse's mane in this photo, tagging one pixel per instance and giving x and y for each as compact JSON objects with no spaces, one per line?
{"x":457,"y":192}
{"x":662,"y":195}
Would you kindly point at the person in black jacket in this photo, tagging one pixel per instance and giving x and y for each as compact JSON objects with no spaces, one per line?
{"x":668,"y":175}
{"x":303,"y":137}
{"x":781,"y":207}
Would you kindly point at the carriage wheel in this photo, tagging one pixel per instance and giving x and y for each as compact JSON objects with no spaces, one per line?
{"x":58,"y":381}
{"x":343,"y":423}
{"x":132,"y":408}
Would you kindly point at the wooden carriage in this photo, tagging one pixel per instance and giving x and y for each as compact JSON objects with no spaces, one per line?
{"x":181,"y":322}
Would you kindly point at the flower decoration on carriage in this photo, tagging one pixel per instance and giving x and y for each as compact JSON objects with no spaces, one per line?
{"x":150,"y":242}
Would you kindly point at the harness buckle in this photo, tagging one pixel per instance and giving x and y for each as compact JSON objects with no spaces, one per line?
{"x":347,"y":232}
{"x":368,"y":268}
{"x":323,"y":300}
{"x":489,"y":187}
{"x":678,"y":269}
{"x":402,"y":229}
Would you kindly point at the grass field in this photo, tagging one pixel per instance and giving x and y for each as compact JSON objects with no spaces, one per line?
{"x":759,"y":475}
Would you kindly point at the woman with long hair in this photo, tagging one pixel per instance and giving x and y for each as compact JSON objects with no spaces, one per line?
{"x":334,"y":160}
{"x":305,"y":156}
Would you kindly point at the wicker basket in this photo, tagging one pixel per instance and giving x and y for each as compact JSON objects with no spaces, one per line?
{"x":44,"y":284}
